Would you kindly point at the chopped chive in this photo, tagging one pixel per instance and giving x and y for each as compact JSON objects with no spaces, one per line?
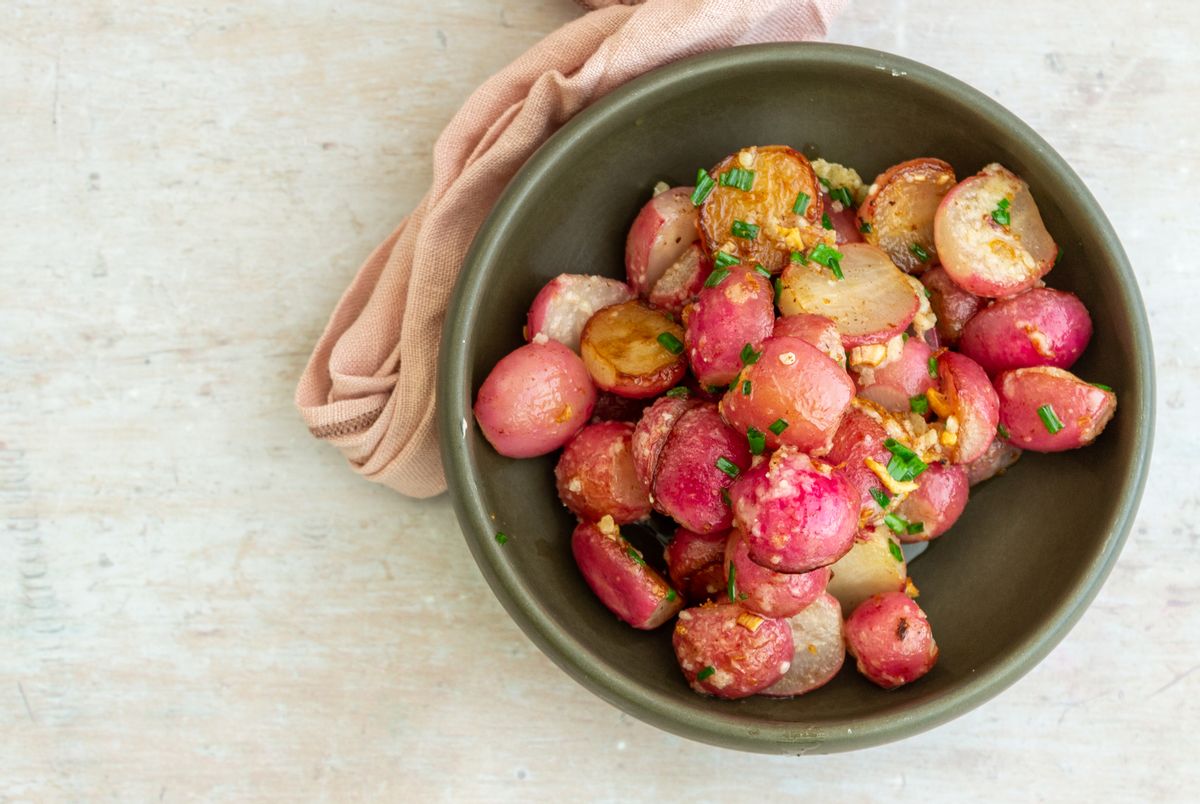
{"x":1050,"y":419}
{"x":743,"y":596}
{"x":881,"y":498}
{"x":842,"y":194}
{"x":916,"y":527}
{"x":704,"y":186}
{"x":903,"y":337}
{"x":705,"y":673}
{"x":825,"y":222}
{"x":778,"y":426}
{"x":749,"y":356}
{"x":670,"y":343}
{"x":865,"y":228}
{"x":725,"y":498}
{"x":757,"y":440}
{"x":801,"y":203}
{"x":919,"y":404}
{"x":724,"y":259}
{"x":745,"y":388}
{"x":778,"y":287}
{"x":928,"y":295}
{"x":895,"y":524}
{"x":895,"y":550}
{"x":1058,"y":257}
{"x":678,"y":392}
{"x":829,"y":257}
{"x":1102,"y":386}
{"x":798,"y":256}
{"x":671,"y":595}
{"x":1002,"y":431}
{"x":919,"y":252}
{"x":933,"y":367}
{"x":762,"y":271}
{"x":732,"y":585}
{"x":637,"y":559}
{"x":825,"y":182}
{"x":746,"y":231}
{"x":728,"y":467}
{"x":905,"y":465}
{"x":738,"y":177}
{"x":1000,"y":213}
{"x":714,"y":389}
{"x":501,"y":537}
{"x":716,"y":277}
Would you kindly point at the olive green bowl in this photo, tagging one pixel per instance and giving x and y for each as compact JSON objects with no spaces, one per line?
{"x":1031,"y":551}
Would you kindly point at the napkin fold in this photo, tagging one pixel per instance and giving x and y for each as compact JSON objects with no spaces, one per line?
{"x":368,"y":386}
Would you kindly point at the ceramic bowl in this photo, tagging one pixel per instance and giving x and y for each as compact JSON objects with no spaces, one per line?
{"x":1034,"y":546}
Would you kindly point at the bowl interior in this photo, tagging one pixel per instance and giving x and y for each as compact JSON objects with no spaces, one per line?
{"x":1000,"y":589}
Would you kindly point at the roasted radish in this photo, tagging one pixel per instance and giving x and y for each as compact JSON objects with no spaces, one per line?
{"x":633,"y":349}
{"x":618,"y":574}
{"x":1040,"y":327}
{"x":596,"y":475}
{"x":891,"y":641}
{"x":682,"y":281}
{"x":819,"y":649}
{"x":952,"y":305}
{"x":729,"y":320}
{"x":729,"y":651}
{"x":899,"y":211}
{"x":1047,"y":409}
{"x":565,"y":304}
{"x":661,"y":233}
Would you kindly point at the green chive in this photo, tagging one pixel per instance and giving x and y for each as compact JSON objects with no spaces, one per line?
{"x":637,"y":559}
{"x":732,"y":586}
{"x":705,"y":673}
{"x":745,"y":388}
{"x":749,"y":356}
{"x":778,"y":426}
{"x":738,"y":177}
{"x":704,"y":186}
{"x":829,"y":257}
{"x":1002,"y":431}
{"x":825,"y":182}
{"x":678,"y":392}
{"x":501,"y":537}
{"x":933,"y":367}
{"x":919,"y":404}
{"x":928,"y":295}
{"x":743,"y":596}
{"x":881,"y":498}
{"x":725,"y":498}
{"x":1057,"y":258}
{"x":728,"y":467}
{"x":1102,"y":386}
{"x":778,"y":287}
{"x":670,"y":343}
{"x":724,"y":259}
{"x":757,"y":440}
{"x":916,"y":527}
{"x":842,"y":194}
{"x":1000,"y":213}
{"x":798,"y":256}
{"x":895,"y":550}
{"x":895,"y":524}
{"x":762,"y":271}
{"x":801,"y":203}
{"x":919,"y":252}
{"x":671,"y":595}
{"x":1050,"y":419}
{"x":746,"y":231}
{"x":825,"y":222}
{"x":865,"y":228}
{"x":716,"y":277}
{"x":714,"y":389}
{"x":905,"y":465}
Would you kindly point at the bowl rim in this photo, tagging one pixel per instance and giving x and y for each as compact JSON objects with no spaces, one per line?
{"x":726,"y":728}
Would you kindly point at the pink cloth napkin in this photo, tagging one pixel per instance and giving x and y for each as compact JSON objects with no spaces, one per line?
{"x":367,"y":388}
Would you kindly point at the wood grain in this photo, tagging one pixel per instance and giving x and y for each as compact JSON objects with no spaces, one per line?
{"x":199,"y":601}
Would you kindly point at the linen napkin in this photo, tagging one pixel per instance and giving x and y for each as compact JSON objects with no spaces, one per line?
{"x":368,"y":386}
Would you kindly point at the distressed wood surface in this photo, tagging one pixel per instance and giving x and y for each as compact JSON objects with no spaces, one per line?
{"x":199,"y":601}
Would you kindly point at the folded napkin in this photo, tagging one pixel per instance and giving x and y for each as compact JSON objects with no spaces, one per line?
{"x":367,"y":388}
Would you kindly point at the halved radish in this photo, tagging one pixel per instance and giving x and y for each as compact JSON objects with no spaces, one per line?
{"x":900,"y":208}
{"x":973,"y":408}
{"x":952,"y":305}
{"x":661,"y":232}
{"x":565,"y":304}
{"x":872,"y":303}
{"x":752,"y":211}
{"x":819,"y":649}
{"x":633,"y":349}
{"x":990,"y":236}
{"x":683,"y":280}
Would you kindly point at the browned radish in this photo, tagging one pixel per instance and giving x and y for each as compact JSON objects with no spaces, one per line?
{"x":990,"y":236}
{"x":766,"y":204}
{"x":633,"y":349}
{"x":872,"y":303}
{"x":898,"y":213}
{"x":661,"y":233}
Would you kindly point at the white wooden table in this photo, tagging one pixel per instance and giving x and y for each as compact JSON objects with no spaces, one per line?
{"x":199,"y":601}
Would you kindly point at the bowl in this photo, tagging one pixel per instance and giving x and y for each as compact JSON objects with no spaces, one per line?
{"x":1034,"y":546}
